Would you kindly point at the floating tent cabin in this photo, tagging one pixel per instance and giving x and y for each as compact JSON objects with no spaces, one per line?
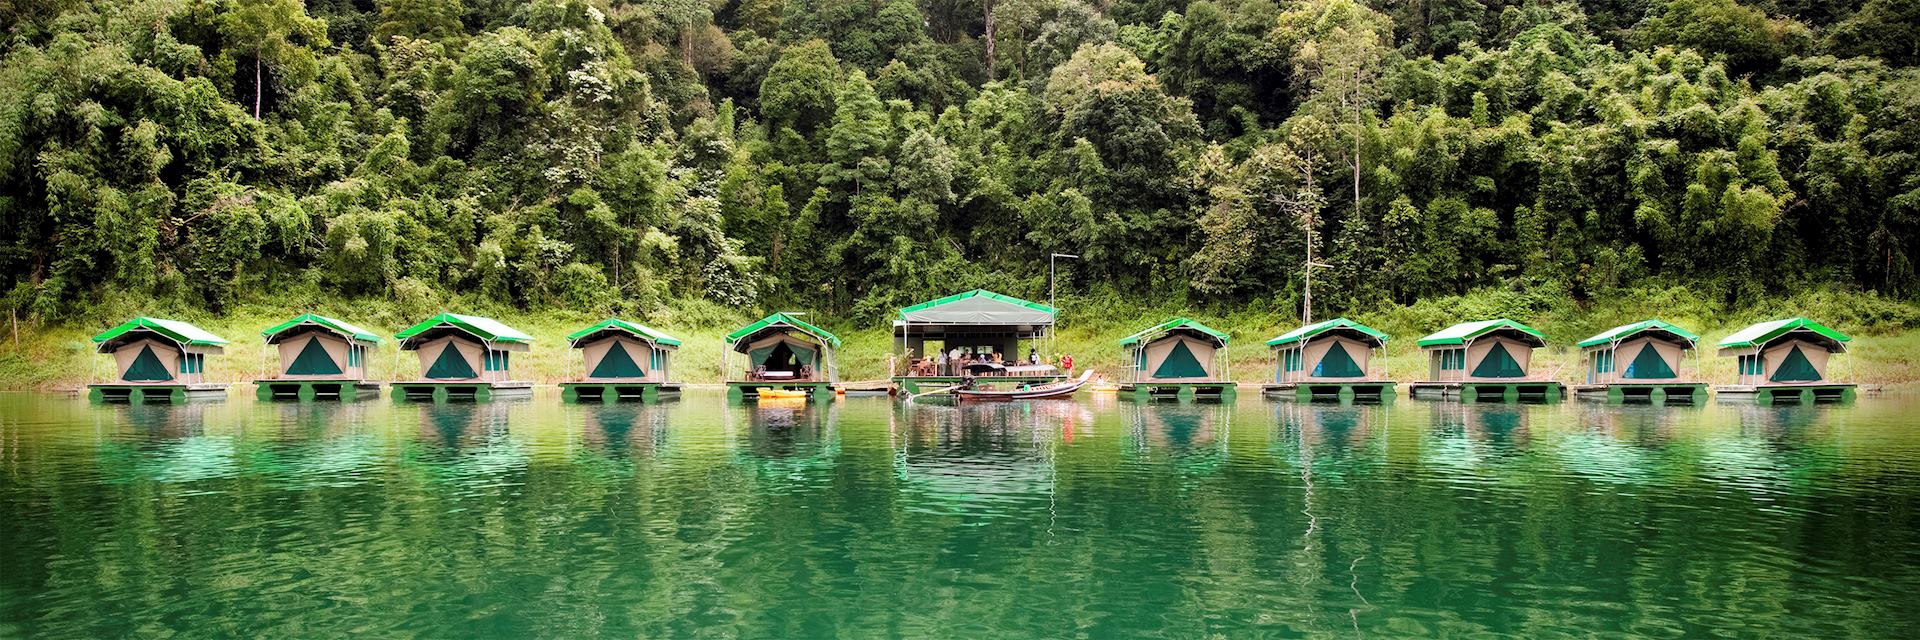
{"x":1328,"y":360}
{"x":1785,"y":361}
{"x":463,"y":357}
{"x":977,"y":322}
{"x":1484,"y":360}
{"x":320,"y":357}
{"x":1179,"y":358}
{"x":157,"y":360}
{"x":624,"y":360}
{"x":781,"y":352}
{"x":1640,"y":362}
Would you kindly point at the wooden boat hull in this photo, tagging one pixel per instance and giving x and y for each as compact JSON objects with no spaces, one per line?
{"x":1063,"y":389}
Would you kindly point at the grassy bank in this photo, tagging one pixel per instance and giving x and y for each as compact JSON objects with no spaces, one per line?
{"x":1886,"y":347}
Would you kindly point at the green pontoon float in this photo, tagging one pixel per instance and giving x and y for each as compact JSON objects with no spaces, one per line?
{"x":158,"y":360}
{"x":1785,"y":361}
{"x":1641,"y":362}
{"x":624,"y":361}
{"x":1179,"y":359}
{"x":321,"y":358}
{"x":463,"y":358}
{"x":1484,"y":361}
{"x":782,"y":352}
{"x":930,"y":337}
{"x":1328,"y":361}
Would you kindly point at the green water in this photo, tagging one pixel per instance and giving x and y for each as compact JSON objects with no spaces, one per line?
{"x":1096,"y":519}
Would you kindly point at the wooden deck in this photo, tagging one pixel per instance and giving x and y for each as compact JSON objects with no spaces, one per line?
{"x":612,"y":392}
{"x":442,"y":391}
{"x":1657,"y":393}
{"x":1489,"y":391}
{"x":1329,"y":391}
{"x":1787,"y":393}
{"x":156,"y":393}
{"x":311,"y":390}
{"x":1183,"y":390}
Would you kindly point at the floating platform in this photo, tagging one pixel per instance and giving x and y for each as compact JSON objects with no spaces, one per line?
{"x":908,"y":385}
{"x":1364,"y":391}
{"x":612,"y":392}
{"x":156,"y":393}
{"x":1787,"y":393}
{"x":738,"y":390}
{"x":1658,"y":393}
{"x":439,"y":391}
{"x":1183,"y":391}
{"x":1514,"y":391}
{"x":310,"y":390}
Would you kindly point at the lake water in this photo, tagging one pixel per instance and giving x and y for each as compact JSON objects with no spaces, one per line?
{"x":864,"y":518}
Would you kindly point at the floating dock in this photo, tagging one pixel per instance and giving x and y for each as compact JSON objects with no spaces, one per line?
{"x":1380,"y":391}
{"x":612,"y":392}
{"x":1658,"y":393}
{"x":1164,"y":390}
{"x":156,"y":393}
{"x":1508,"y":391}
{"x":442,"y":391}
{"x":311,"y":390}
{"x":738,"y":390}
{"x":1788,"y":393}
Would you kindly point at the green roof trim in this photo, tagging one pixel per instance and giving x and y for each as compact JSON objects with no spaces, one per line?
{"x":485,"y":328}
{"x":341,"y":326}
{"x":1461,"y":333}
{"x":178,"y":331}
{"x":783,"y":318}
{"x":1624,"y":331}
{"x":1176,"y":323}
{"x":1762,"y":333}
{"x":976,"y":293}
{"x":635,"y":328}
{"x":1324,"y":326}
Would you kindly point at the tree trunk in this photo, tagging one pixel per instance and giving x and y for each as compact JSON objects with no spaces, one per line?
{"x":256,"y":86}
{"x":989,"y":10}
{"x":686,"y":47}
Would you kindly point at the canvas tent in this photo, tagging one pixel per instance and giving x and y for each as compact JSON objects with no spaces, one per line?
{"x":158,"y":351}
{"x":786,"y":346}
{"x":981,"y":321}
{"x":316,"y":347}
{"x":619,"y":351}
{"x":1790,"y":351}
{"x":1333,"y":350}
{"x":1645,"y":351}
{"x":462,"y":348}
{"x":1177,"y":350}
{"x":1486,"y":350}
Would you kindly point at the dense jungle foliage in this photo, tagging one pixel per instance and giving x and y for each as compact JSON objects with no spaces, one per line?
{"x":851,"y":156}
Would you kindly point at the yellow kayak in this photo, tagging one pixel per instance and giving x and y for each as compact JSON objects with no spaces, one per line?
{"x":771,"y":394}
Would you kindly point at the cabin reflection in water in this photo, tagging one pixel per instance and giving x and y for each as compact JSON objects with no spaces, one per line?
{"x":460,"y":425}
{"x":622,"y":429}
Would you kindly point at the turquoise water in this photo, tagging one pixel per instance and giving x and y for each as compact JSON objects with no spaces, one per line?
{"x":1098,"y":518}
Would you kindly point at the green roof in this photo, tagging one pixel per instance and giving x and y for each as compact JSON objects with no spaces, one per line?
{"x":178,"y":331}
{"x":616,"y":323}
{"x":1623,"y":331}
{"x":485,"y":328}
{"x":976,"y":293}
{"x":1176,"y":323}
{"x":1461,"y":333}
{"x":1765,"y":332}
{"x":782,"y":318}
{"x":1318,"y":328}
{"x":337,"y":325}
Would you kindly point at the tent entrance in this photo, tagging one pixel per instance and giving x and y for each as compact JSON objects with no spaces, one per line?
{"x":1180,"y":363}
{"x":617,"y":364}
{"x":1498,"y":364}
{"x":1648,"y":366}
{"x":450,"y":365}
{"x":146,"y":367}
{"x":1337,"y":363}
{"x":1796,"y":368}
{"x":314,"y":361}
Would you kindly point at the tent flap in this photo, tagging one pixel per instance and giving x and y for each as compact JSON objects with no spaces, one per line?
{"x":1649,"y":365}
{"x":1796,"y":368}
{"x":1180,"y":364}
{"x":147,"y":368}
{"x":1498,"y":364}
{"x":450,"y":365}
{"x":617,"y":364}
{"x":314,"y":361}
{"x":1337,"y":363}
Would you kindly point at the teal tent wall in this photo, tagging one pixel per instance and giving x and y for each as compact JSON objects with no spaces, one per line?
{"x":1648,"y":366}
{"x":617,"y":364}
{"x":1337,"y":363}
{"x":146,"y":367}
{"x":1498,"y":364}
{"x":450,"y":365}
{"x":1180,"y":364}
{"x":1796,"y":368}
{"x":314,"y":361}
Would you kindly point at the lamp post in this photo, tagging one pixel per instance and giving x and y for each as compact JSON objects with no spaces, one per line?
{"x":1051,"y":287}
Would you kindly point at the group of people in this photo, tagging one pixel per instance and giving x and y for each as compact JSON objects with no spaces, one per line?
{"x":954,"y":362}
